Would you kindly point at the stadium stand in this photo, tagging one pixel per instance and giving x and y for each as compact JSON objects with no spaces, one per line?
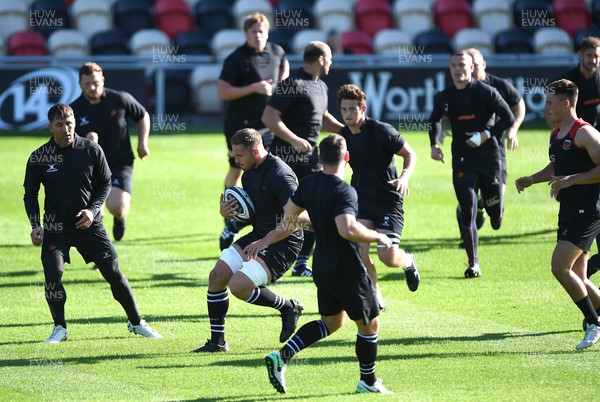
{"x":147,"y":41}
{"x":583,"y":34}
{"x":173,"y":17}
{"x":294,"y":15}
{"x":178,"y":91}
{"x":572,"y":15}
{"x":14,"y":16}
{"x":196,"y":42}
{"x":474,"y":37}
{"x":391,"y":41}
{"x":552,"y":40}
{"x":282,"y":37}
{"x":26,"y":43}
{"x":91,"y":16}
{"x":413,"y":17}
{"x":67,"y":42}
{"x":132,"y":16}
{"x":452,"y":15}
{"x":204,"y":87}
{"x":47,"y":16}
{"x":113,"y":41}
{"x":334,"y":15}
{"x":433,"y":41}
{"x":513,"y":41}
{"x":213,"y":16}
{"x":303,"y":38}
{"x":493,"y":16}
{"x":225,"y":41}
{"x":531,"y":15}
{"x":356,"y":42}
{"x":373,"y":16}
{"x":243,"y":8}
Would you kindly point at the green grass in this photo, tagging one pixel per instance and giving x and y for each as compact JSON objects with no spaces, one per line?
{"x":509,"y":335}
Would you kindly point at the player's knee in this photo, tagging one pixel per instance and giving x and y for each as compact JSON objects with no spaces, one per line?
{"x":372,"y":327}
{"x":110,"y":270}
{"x":241,"y":286}
{"x":54,"y":292}
{"x":334,"y":322}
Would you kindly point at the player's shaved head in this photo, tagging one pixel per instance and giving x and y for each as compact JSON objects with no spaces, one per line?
{"x":316,"y":49}
{"x":332,"y":150}
{"x":249,"y":138}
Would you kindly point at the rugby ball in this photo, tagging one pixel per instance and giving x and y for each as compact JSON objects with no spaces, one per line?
{"x":245,"y":212}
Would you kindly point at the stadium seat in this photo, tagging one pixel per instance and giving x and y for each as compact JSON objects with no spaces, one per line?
{"x":392,"y":42}
{"x":67,"y":42}
{"x":474,"y":37}
{"x":14,"y":16}
{"x":433,"y":41}
{"x":226,"y":41}
{"x":196,"y":42}
{"x":26,"y":43}
{"x":373,"y":15}
{"x":178,"y":91}
{"x":204,"y":87}
{"x":282,"y":37}
{"x":452,"y":15}
{"x":552,"y":40}
{"x":584,"y":33}
{"x":132,"y":15}
{"x":2,"y":50}
{"x":303,"y":38}
{"x":47,"y":16}
{"x":173,"y":17}
{"x":493,"y":16}
{"x":334,"y":15}
{"x":111,"y":42}
{"x":413,"y":17}
{"x":294,"y":15}
{"x":531,"y":15}
{"x":356,"y":42}
{"x":146,"y":41}
{"x":243,"y":8}
{"x":91,"y":16}
{"x":596,"y":12}
{"x":513,"y":41}
{"x":572,"y":15}
{"x":213,"y":16}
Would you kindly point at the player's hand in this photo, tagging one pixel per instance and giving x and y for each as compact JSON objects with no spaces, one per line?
{"x":301,"y":145}
{"x":512,"y":141}
{"x":264,"y":87}
{"x":477,"y":138}
{"x":401,"y":185}
{"x":228,"y":209}
{"x":523,"y":182}
{"x":558,"y":183}
{"x":143,"y":151}
{"x":37,"y":236}
{"x":251,"y":250}
{"x":85,"y":219}
{"x":92,"y":136}
{"x":437,"y":153}
{"x":384,"y":241}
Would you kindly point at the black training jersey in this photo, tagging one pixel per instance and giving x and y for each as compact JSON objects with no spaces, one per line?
{"x":74,"y":178}
{"x":270,"y":186}
{"x":507,"y":90}
{"x":568,"y":158}
{"x":588,"y":101}
{"x":325,"y":197}
{"x":108,"y":118}
{"x":372,"y":157}
{"x":473,"y":108}
{"x":302,"y":103}
{"x":245,"y":66}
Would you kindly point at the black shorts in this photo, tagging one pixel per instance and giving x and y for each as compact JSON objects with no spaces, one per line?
{"x":353,"y":293}
{"x":580,"y":231}
{"x":387,"y":213}
{"x":122,"y":177}
{"x":267,"y":138}
{"x":279,"y":256}
{"x":93,"y":244}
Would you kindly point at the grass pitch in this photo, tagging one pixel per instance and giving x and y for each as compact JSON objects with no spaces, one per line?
{"x":509,"y":335}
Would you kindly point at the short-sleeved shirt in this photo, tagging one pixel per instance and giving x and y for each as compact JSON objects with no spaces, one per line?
{"x":302,"y":103}
{"x":108,"y":118}
{"x":509,"y":93}
{"x":588,"y":101}
{"x":325,"y":197}
{"x":372,"y":157}
{"x":270,"y":186}
{"x":568,"y":158}
{"x":245,"y":66}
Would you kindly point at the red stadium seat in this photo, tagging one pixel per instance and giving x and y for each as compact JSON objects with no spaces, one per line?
{"x":373,"y":16}
{"x":173,"y":17}
{"x":26,"y":43}
{"x":572,"y":15}
{"x":356,"y":42}
{"x":452,"y":15}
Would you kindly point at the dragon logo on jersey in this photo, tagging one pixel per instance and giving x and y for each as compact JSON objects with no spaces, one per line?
{"x":567,"y":145}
